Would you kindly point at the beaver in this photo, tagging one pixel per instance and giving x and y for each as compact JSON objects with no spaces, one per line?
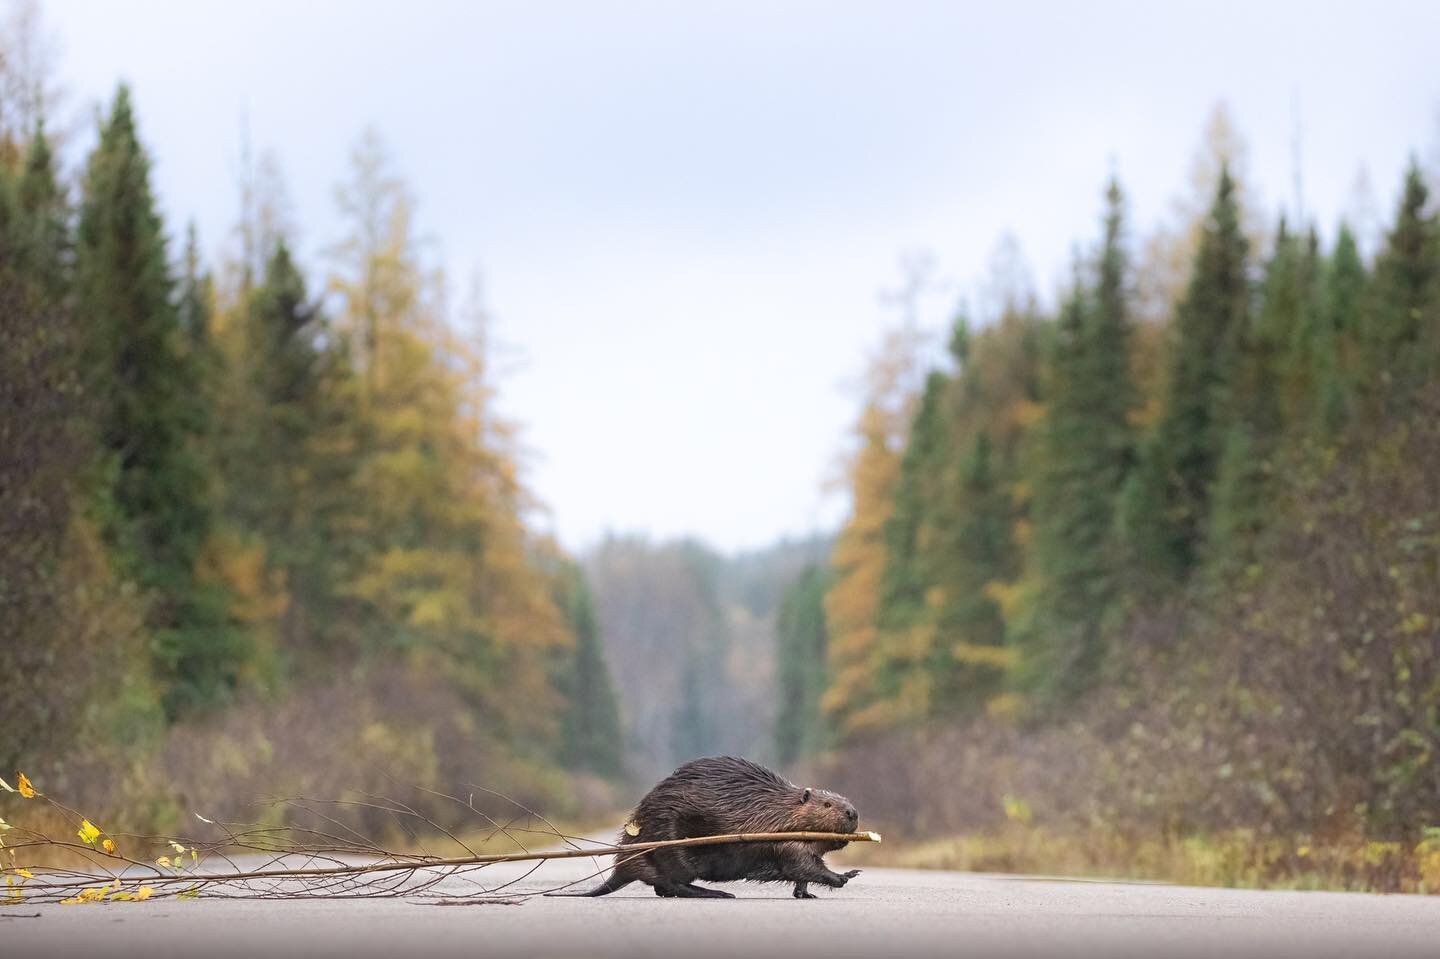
{"x":720,"y":795}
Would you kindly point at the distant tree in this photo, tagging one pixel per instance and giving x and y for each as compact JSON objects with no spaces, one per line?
{"x":802,"y":642}
{"x":907,"y":575}
{"x":854,"y":700}
{"x":1401,"y":330}
{"x":151,"y":412}
{"x":1166,"y":505}
{"x":1085,"y":452}
{"x":1271,"y":388}
{"x":591,"y":735}
{"x":1338,"y":364}
{"x":965,"y":659}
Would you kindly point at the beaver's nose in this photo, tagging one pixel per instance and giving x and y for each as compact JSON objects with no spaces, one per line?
{"x":851,"y":814}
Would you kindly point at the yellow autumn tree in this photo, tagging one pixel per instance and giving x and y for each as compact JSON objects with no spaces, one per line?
{"x":448,"y":572}
{"x":855,"y":652}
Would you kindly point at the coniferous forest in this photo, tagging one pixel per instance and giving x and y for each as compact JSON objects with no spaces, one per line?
{"x":237,"y":510}
{"x":1140,"y":573}
{"x":1144,"y":576}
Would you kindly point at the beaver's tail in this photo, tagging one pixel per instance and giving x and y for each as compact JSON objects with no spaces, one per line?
{"x":613,"y":881}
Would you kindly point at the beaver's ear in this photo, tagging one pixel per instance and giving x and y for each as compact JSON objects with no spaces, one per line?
{"x":806,"y":796}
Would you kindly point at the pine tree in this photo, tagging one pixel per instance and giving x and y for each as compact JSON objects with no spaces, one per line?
{"x":43,"y":241}
{"x":965,"y":659}
{"x":44,"y":441}
{"x":907,"y":576}
{"x":1338,"y":367}
{"x":801,"y":654}
{"x":197,"y":296}
{"x":1166,"y":523}
{"x":591,"y":737}
{"x":1086,"y":448}
{"x":1269,"y":387}
{"x":147,"y":393}
{"x":854,"y":700}
{"x":1402,"y":321}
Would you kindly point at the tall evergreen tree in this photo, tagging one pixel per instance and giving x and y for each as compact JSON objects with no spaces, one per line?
{"x":908,"y":576}
{"x":44,"y":439}
{"x":1166,"y":523}
{"x":147,"y":393}
{"x":1270,"y":389}
{"x":801,"y":653}
{"x":1402,"y":321}
{"x":1086,"y":448}
{"x":966,"y":659}
{"x":197,"y":295}
{"x":590,"y":736}
{"x":1338,"y":366}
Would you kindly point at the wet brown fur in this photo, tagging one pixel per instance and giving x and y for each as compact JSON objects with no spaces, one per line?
{"x":721,"y":795}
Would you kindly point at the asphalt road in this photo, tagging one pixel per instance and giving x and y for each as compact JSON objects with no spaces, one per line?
{"x":883,"y":912}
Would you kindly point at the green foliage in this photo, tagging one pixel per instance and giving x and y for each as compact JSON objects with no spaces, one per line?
{"x":150,"y":414}
{"x":1085,"y":452}
{"x":1187,"y":443}
{"x":1401,"y":331}
{"x":217,"y":495}
{"x":591,"y":737}
{"x":1338,"y":371}
{"x":800,"y":662}
{"x":917,"y":494}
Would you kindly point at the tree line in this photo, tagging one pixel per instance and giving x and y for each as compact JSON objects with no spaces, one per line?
{"x":1097,"y":505}
{"x":236,"y":485}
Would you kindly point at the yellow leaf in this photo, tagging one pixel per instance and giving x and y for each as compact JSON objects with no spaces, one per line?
{"x":194,"y":857}
{"x":72,"y":901}
{"x":143,"y":893}
{"x":108,"y":845}
{"x":164,"y":861}
{"x":632,"y":829}
{"x":192,"y":893}
{"x":26,"y":788}
{"x":4,"y":825}
{"x":22,"y":871}
{"x":88,"y":833}
{"x":177,"y":847}
{"x":14,"y":893}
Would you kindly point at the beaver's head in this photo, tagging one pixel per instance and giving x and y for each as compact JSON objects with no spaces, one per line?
{"x":820,"y":810}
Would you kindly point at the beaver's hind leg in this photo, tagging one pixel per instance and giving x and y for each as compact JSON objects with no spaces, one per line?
{"x":688,"y":890}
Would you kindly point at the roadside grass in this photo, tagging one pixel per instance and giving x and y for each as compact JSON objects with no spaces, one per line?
{"x":1237,"y":858}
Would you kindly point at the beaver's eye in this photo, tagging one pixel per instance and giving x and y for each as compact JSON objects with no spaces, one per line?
{"x":827,"y":805}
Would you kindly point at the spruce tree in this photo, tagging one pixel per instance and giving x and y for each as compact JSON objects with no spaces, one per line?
{"x":1269,"y":388}
{"x":1086,"y":448}
{"x":1338,"y":366}
{"x":197,"y":295}
{"x":802,"y":641}
{"x":150,"y":413}
{"x":966,"y":657}
{"x":908,"y":576}
{"x":1402,"y":322}
{"x":591,"y":737}
{"x":45,"y":439}
{"x":1166,"y":523}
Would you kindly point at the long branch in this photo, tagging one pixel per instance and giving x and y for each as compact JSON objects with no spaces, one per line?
{"x":364,"y":868}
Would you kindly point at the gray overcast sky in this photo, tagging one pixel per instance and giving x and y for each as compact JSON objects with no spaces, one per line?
{"x":684,"y":211}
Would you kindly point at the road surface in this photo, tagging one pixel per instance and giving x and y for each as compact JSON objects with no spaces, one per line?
{"x":883,"y":912}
